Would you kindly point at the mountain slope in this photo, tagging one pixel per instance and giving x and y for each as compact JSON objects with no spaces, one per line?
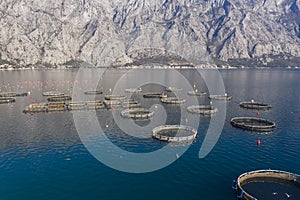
{"x":57,"y":31}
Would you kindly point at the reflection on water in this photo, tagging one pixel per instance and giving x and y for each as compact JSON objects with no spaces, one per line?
{"x":42,"y":152}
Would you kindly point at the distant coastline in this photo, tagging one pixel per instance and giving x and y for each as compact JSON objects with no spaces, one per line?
{"x":12,"y":68}
{"x":162,"y":60}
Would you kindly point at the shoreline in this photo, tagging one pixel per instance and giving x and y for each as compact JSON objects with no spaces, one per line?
{"x":145,"y":67}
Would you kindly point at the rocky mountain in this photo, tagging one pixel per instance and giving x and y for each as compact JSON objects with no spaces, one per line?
{"x":57,"y":32}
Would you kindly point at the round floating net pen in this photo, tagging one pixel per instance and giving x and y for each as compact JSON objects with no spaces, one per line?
{"x":137,"y":113}
{"x":202,"y":109}
{"x":53,"y":93}
{"x":95,"y":92}
{"x":112,"y":103}
{"x":196,"y":93}
{"x":172,"y":100}
{"x":253,"y":124}
{"x":220,"y":97}
{"x":262,"y":176}
{"x":59,"y":98}
{"x":255,"y":105}
{"x":173,"y":89}
{"x":174,"y":133}
{"x":133,"y":90}
{"x":130,"y":103}
{"x":154,"y":95}
{"x":7,"y":100}
{"x":114,"y":97}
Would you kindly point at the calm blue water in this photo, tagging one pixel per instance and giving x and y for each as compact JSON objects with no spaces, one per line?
{"x":42,"y":157}
{"x":270,"y":190}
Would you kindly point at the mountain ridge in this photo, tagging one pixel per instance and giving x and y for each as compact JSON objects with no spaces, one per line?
{"x":52,"y":32}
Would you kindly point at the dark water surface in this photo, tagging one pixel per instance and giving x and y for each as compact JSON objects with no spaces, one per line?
{"x":42,"y":157}
{"x":271,"y":190}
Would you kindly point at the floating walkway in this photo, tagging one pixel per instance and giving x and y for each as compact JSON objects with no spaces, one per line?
{"x":253,"y":124}
{"x":133,"y":90}
{"x":275,"y":176}
{"x":174,"y":133}
{"x":172,"y":100}
{"x":59,"y":98}
{"x":154,"y":95}
{"x":255,"y":105}
{"x":94,"y":92}
{"x":137,"y":113}
{"x":4,"y":100}
{"x":53,"y":93}
{"x":220,"y":97}
{"x":202,"y":109}
{"x":63,"y":106}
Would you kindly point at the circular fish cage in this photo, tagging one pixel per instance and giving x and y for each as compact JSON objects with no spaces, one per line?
{"x":154,"y":95}
{"x":173,"y":89}
{"x":196,"y":93}
{"x":80,"y":105}
{"x":23,"y":94}
{"x":174,"y":133}
{"x":56,"y":106}
{"x":4,"y":100}
{"x":13,"y":94}
{"x":253,"y":124}
{"x":172,"y":100}
{"x":255,"y":105}
{"x":53,"y":93}
{"x":35,"y":108}
{"x":94,"y":105}
{"x":59,"y":98}
{"x":8,"y":94}
{"x":202,"y":109}
{"x":95,"y":92}
{"x":130,"y":103}
{"x":112,"y":103}
{"x":276,"y":176}
{"x":220,"y":97}
{"x":133,"y":90}
{"x":114,"y":97}
{"x":85,"y":105}
{"x":137,"y":113}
